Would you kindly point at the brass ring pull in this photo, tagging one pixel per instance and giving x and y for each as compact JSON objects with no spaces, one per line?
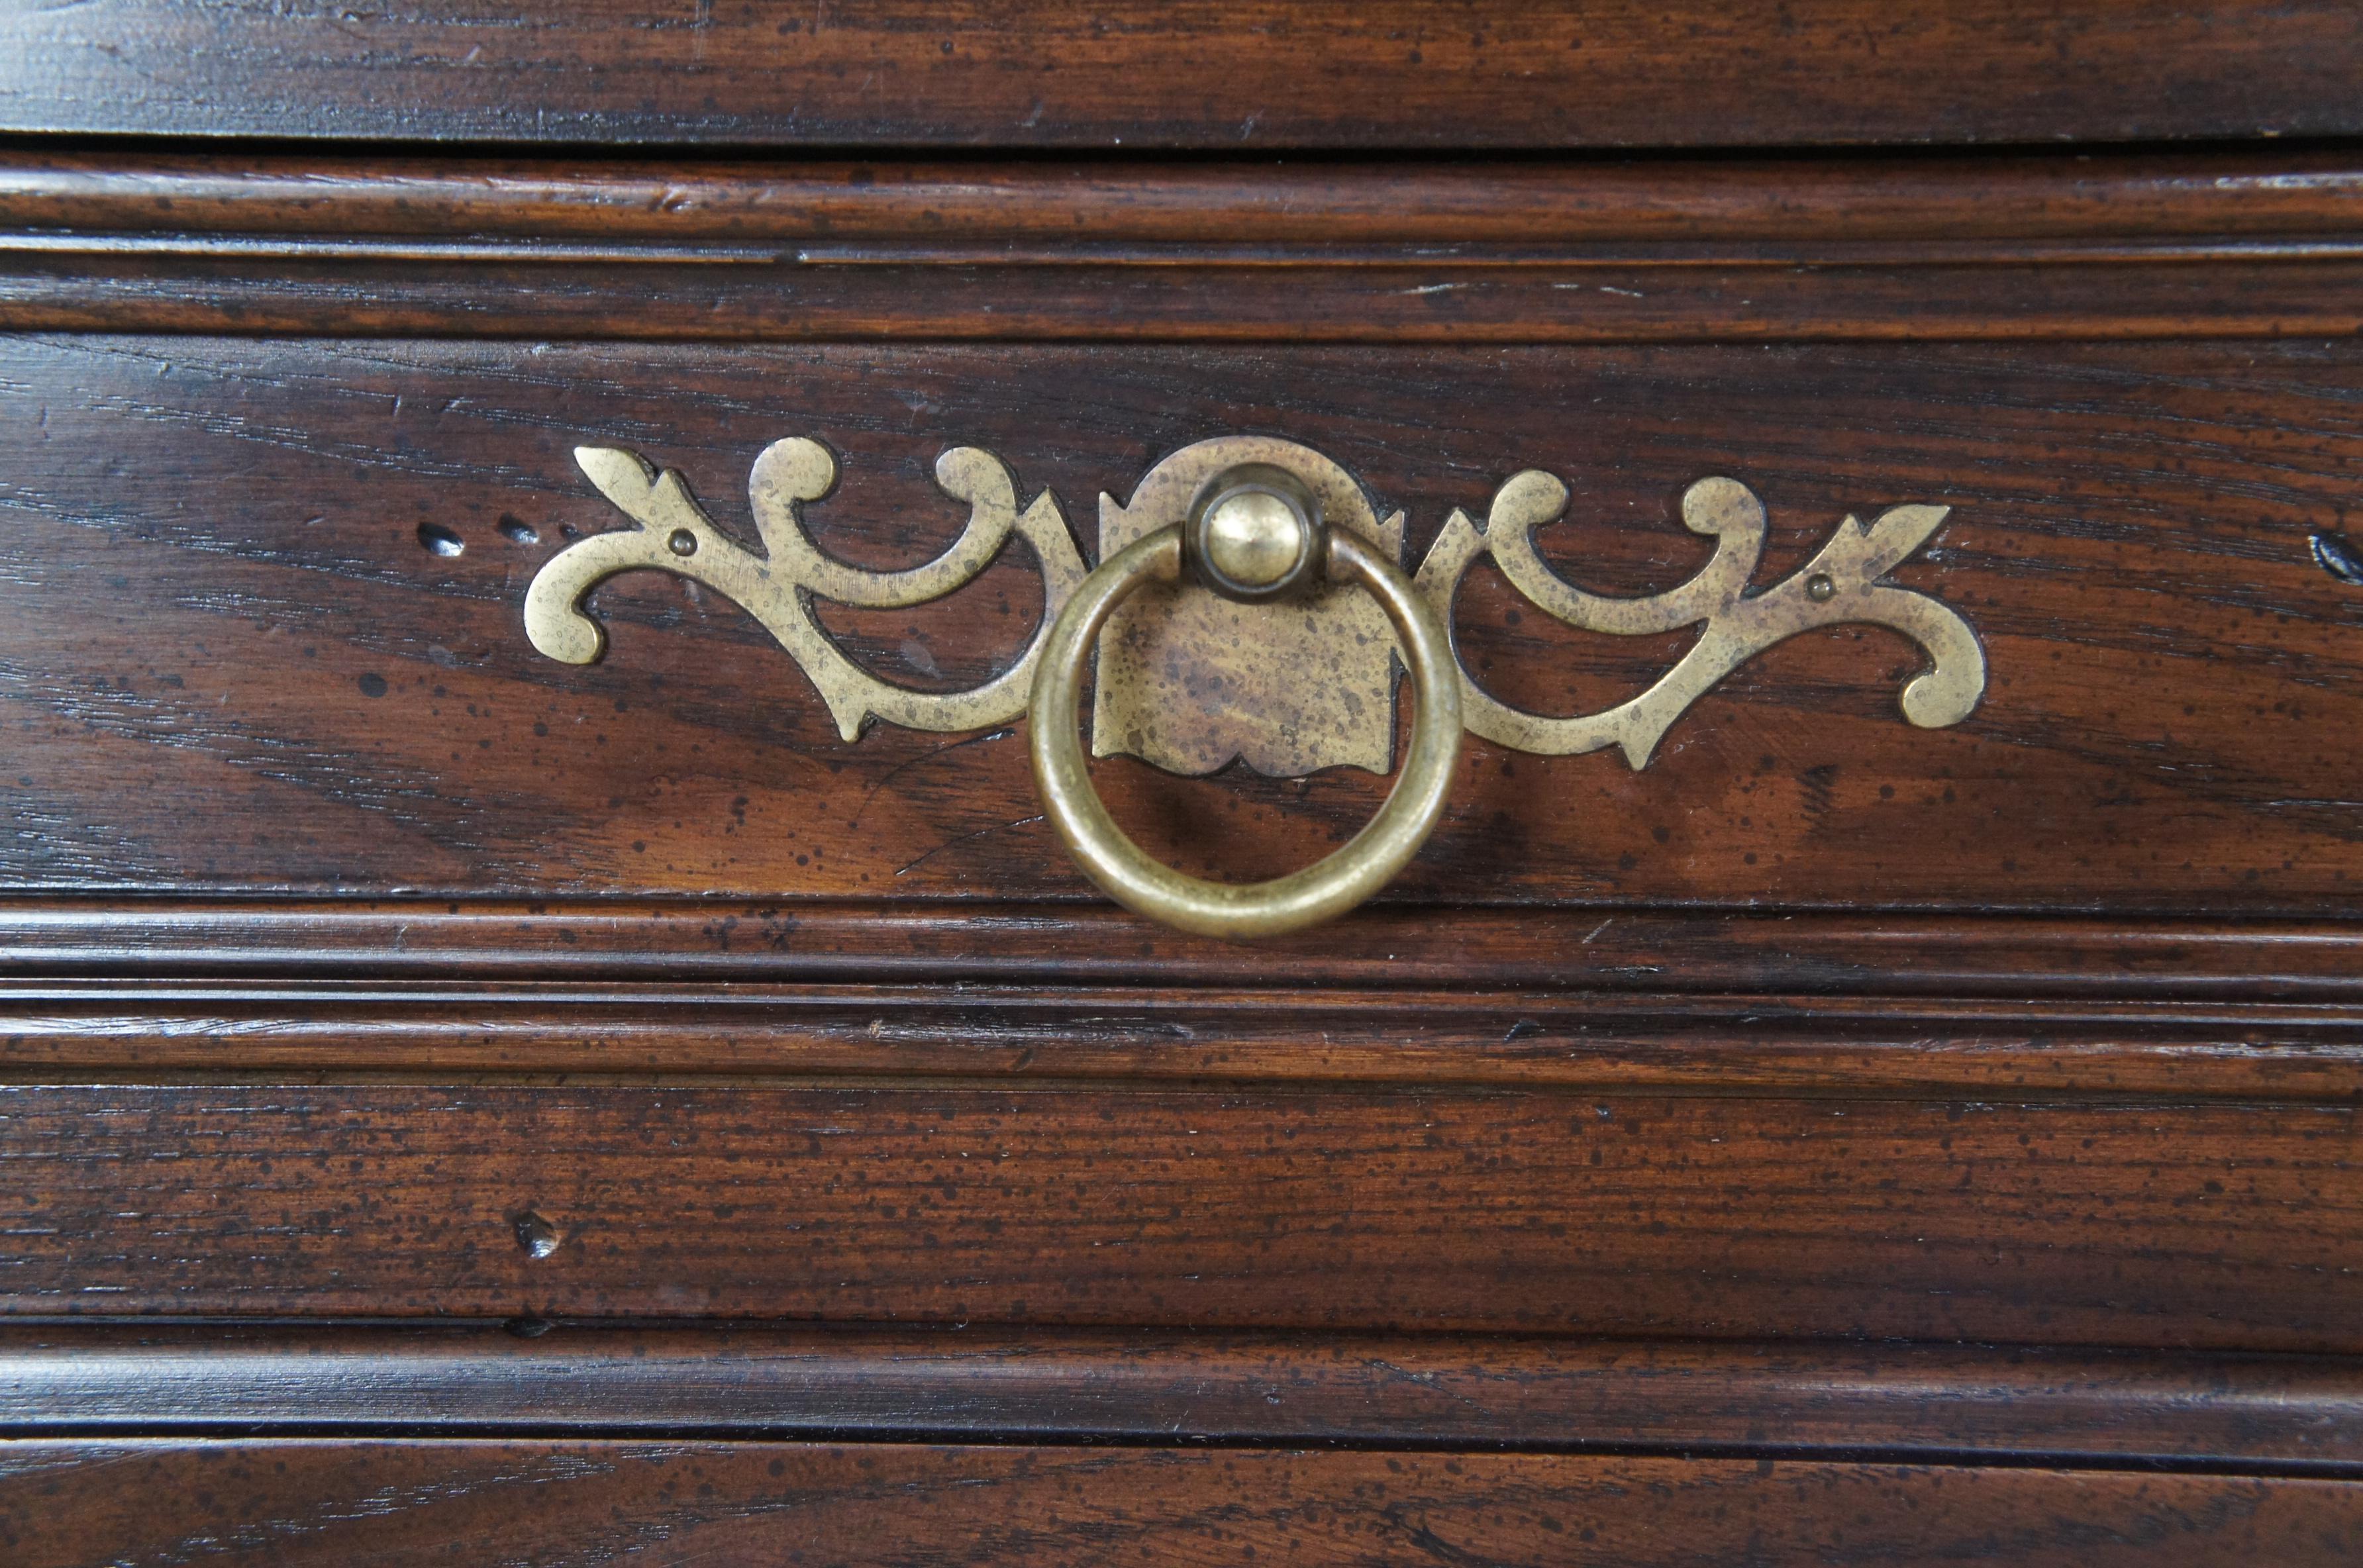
{"x":1240,"y":912}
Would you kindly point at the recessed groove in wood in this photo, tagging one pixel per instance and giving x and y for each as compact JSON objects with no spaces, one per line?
{"x":1209,"y":264}
{"x":156,"y":1378}
{"x":2201,"y":1226}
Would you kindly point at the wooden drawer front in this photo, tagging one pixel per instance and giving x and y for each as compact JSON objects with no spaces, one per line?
{"x":264,"y":628}
{"x":228,"y":661}
{"x":315,"y":1502}
{"x":463,"y":1095}
{"x":2228,"y":1226}
{"x":361,"y":966}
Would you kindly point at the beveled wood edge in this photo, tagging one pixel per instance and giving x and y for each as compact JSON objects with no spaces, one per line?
{"x":2230,"y":244}
{"x":1577,"y":949}
{"x":868,"y":208}
{"x":1604,"y":1043}
{"x":2232,"y":292}
{"x":1977,"y":1402}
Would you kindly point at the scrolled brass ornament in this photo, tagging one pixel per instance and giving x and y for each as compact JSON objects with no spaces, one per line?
{"x":1250,"y":606}
{"x":777,"y":587}
{"x":1840,"y":584}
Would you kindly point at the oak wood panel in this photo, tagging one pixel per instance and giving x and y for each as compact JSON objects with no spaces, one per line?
{"x":1223,"y":74}
{"x":213,"y":563}
{"x":2290,"y":1414}
{"x":141,"y":1504}
{"x":2208,"y":1226}
{"x":1850,"y":1045}
{"x":1438,"y":211}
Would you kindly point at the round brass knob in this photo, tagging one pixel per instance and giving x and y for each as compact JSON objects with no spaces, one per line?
{"x":1256,"y":539}
{"x":1255,"y":533}
{"x":1240,"y":912}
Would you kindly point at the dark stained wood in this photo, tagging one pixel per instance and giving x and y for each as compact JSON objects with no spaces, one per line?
{"x":137,"y":1504}
{"x":2287,"y":1052}
{"x":2298,"y":291}
{"x":1809,"y":959}
{"x":215,"y":560}
{"x":457,"y":1107}
{"x":268,"y":205}
{"x":2128,"y":1224}
{"x":2225,"y":243}
{"x":1226,"y":74}
{"x":2293,"y":1414}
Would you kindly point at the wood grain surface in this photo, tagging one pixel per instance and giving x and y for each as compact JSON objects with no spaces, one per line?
{"x":2077,"y":1222}
{"x":1916,"y":1046}
{"x":2221,"y":244}
{"x":2012,"y":965}
{"x":460,"y":1107}
{"x":228,"y":660}
{"x":1436,"y":210}
{"x":144,"y":1504}
{"x":2291,"y":1415}
{"x":504,"y":290}
{"x":1216,"y":74}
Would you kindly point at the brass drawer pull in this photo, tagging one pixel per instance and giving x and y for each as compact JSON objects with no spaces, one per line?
{"x":1195,"y":672}
{"x":1250,"y":541}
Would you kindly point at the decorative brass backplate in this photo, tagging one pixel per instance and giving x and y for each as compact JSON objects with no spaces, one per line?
{"x":1188,"y":679}
{"x":673,"y":534}
{"x":1840,"y":584}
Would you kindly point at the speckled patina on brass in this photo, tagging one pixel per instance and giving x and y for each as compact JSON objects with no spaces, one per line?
{"x":1189,"y":679}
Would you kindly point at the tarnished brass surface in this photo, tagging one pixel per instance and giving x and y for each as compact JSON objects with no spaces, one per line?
{"x":1841,"y":583}
{"x":1241,"y":911}
{"x":1189,"y":679}
{"x":777,"y":587}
